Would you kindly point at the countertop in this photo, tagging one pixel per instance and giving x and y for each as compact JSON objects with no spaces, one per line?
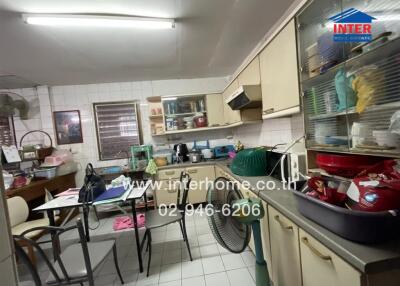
{"x":365,"y":258}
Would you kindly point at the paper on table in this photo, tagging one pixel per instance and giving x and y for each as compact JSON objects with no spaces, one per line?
{"x":11,"y":154}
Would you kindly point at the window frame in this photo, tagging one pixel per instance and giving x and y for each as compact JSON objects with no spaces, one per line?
{"x":137,"y":114}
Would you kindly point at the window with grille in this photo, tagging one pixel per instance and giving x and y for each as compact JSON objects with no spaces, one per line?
{"x":117,"y":129}
{"x":7,"y":132}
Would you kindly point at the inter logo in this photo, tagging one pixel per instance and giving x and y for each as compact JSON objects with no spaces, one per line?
{"x":352,"y":26}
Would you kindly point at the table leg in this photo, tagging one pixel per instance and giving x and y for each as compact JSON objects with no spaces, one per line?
{"x":85,"y":210}
{"x":145,"y":202}
{"x":135,"y":225}
{"x":56,"y":244}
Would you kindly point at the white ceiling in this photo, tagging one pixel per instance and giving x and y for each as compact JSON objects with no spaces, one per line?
{"x":211,"y":38}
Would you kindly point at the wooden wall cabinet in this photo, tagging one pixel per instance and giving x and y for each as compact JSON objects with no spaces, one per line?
{"x":251,"y":74}
{"x":279,"y":74}
{"x":215,"y":107}
{"x":231,"y":116}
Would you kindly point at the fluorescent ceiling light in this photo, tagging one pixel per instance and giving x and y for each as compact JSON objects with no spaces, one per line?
{"x":98,"y":21}
{"x":170,"y":98}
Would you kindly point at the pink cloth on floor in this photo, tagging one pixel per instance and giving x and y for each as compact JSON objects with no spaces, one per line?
{"x":124,"y":222}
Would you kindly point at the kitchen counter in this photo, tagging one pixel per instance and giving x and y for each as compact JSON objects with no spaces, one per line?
{"x":222,"y":161}
{"x":366,"y":258}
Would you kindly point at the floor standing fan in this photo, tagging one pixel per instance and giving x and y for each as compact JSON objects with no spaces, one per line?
{"x":232,"y":218}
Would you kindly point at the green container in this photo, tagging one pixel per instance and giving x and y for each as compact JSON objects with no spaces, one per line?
{"x":250,"y":163}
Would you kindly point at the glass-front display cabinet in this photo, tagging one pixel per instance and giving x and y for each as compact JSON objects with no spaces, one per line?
{"x":349,"y":59}
{"x":184,"y":112}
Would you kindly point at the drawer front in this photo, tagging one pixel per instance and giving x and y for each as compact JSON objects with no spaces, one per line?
{"x":167,"y":193}
{"x":200,"y":176}
{"x":321,"y":264}
{"x":169,"y":174}
{"x":285,"y":253}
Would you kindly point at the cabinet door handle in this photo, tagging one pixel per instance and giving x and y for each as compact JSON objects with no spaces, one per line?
{"x":192,"y":171}
{"x":268,"y":111}
{"x":314,"y":250}
{"x":288,"y":227}
{"x":170,"y":173}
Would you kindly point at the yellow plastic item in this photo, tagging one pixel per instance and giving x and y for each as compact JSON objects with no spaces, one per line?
{"x":367,"y":84}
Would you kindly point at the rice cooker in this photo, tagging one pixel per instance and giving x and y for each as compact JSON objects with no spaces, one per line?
{"x":372,"y":196}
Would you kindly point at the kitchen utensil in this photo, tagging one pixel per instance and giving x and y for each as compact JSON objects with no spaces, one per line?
{"x":374,"y":147}
{"x":164,"y":153}
{"x":222,"y":151}
{"x":181,"y":151}
{"x":322,"y":130}
{"x":250,"y":162}
{"x":345,"y":93}
{"x":195,"y":157}
{"x":200,"y":120}
{"x":377,"y":41}
{"x":386,"y":139}
{"x":360,"y":133}
{"x":345,"y":165}
{"x":160,"y":161}
{"x":336,"y":140}
{"x":207,"y":153}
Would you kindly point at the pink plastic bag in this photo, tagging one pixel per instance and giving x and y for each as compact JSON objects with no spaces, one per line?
{"x":125,"y":222}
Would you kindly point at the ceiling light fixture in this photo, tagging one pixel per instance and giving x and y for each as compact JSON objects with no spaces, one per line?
{"x":74,"y":20}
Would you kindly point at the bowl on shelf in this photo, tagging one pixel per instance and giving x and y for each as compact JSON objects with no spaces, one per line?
{"x":386,"y":139}
{"x":345,"y":165}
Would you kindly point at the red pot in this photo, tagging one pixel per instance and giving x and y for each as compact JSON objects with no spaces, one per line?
{"x":200,"y":121}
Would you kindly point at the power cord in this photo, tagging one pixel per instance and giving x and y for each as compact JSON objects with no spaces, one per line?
{"x":284,"y":152}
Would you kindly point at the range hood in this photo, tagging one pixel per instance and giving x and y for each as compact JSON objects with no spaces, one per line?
{"x":245,"y":97}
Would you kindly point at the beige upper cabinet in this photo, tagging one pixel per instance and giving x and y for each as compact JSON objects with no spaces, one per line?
{"x":284,"y":235}
{"x":231,"y":116}
{"x":251,"y":74}
{"x":320,"y":264}
{"x":279,"y":74}
{"x":214,"y":103}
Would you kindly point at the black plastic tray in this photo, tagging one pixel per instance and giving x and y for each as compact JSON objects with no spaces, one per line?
{"x":358,"y":226}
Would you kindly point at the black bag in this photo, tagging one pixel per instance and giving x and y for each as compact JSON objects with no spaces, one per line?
{"x":93,"y":186}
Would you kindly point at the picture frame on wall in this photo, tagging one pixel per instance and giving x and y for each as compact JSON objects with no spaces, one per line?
{"x":68,"y":127}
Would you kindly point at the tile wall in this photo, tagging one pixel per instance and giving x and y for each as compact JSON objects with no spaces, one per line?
{"x":82,"y":97}
{"x":271,"y":131}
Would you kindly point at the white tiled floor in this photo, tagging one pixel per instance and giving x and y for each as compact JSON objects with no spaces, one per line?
{"x":212,"y":265}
